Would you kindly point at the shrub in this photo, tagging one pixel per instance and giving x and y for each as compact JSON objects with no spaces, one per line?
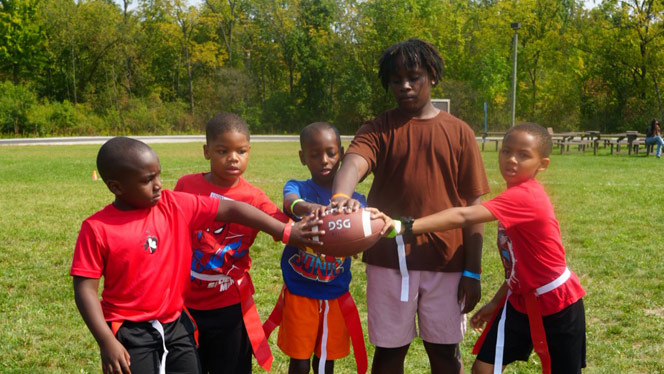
{"x":16,"y":101}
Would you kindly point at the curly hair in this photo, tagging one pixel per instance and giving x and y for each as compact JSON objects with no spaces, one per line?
{"x":415,"y":53}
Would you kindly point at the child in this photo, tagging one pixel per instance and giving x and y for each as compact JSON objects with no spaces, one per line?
{"x":141,"y":245}
{"x":423,"y":160}
{"x":221,"y":291}
{"x":315,"y":305}
{"x":544,"y":304}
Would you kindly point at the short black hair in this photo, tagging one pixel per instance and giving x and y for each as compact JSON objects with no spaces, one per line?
{"x":118,"y":155}
{"x":541,"y":135}
{"x":415,"y":52}
{"x":223,"y":122}
{"x":309,"y":129}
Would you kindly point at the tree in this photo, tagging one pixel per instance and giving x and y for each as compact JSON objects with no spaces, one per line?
{"x":23,"y":39}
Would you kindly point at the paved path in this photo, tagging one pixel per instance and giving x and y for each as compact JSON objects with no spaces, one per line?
{"x":146,"y":139}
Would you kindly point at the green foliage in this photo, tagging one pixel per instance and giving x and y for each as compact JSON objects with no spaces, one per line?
{"x":15,"y":105}
{"x":289,"y":62}
{"x":22,"y":38}
{"x":152,"y":116}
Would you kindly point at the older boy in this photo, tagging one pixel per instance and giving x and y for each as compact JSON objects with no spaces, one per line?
{"x":423,"y":160}
{"x":540,"y":302}
{"x":141,"y":245}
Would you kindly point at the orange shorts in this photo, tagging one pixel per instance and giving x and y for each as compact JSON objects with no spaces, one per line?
{"x":303,"y":328}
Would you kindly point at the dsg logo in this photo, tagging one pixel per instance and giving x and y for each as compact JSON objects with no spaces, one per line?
{"x":339,"y":224}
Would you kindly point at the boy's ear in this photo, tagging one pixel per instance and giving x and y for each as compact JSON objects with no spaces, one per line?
{"x":544,"y":163}
{"x":115,"y":187}
{"x":302,"y":157}
{"x":206,"y":151}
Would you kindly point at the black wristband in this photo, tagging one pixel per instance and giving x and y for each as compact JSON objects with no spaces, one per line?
{"x":407,"y":225}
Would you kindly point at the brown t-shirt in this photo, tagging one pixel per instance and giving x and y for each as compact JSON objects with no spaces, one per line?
{"x":420,"y":167}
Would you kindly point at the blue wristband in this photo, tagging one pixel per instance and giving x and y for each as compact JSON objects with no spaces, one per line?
{"x":470,"y":274}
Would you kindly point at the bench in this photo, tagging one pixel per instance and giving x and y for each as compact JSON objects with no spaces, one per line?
{"x":579,"y":139}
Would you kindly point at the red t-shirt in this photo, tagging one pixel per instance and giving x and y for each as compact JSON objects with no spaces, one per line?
{"x":220,"y":293}
{"x":143,"y":255}
{"x":531,"y":248}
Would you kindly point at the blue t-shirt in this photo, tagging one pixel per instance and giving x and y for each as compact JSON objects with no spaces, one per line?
{"x":306,"y":274}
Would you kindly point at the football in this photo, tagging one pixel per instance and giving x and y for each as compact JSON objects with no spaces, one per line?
{"x":348,"y":233}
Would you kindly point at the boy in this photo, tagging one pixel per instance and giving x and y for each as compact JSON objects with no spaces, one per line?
{"x":221,"y":289}
{"x":423,"y":160}
{"x":317,"y":310}
{"x":141,"y":245}
{"x":542,"y":298}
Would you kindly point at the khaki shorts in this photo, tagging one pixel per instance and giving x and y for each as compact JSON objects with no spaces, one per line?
{"x":432,"y":296}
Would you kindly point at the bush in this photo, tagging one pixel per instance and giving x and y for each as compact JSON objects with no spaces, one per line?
{"x":151,"y":115}
{"x":16,"y":101}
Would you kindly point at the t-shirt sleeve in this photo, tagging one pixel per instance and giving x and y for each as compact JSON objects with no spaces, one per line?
{"x":179,"y":185}
{"x":293,"y":186}
{"x":366,"y":143}
{"x":89,"y":254}
{"x":264,"y":203}
{"x":359,"y":197}
{"x":197,"y":209}
{"x":472,"y":176}
{"x":512,"y":207}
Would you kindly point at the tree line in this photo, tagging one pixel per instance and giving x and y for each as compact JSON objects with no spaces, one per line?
{"x":163,"y":66}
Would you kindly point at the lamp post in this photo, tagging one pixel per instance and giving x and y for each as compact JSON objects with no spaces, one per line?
{"x":515,"y":26}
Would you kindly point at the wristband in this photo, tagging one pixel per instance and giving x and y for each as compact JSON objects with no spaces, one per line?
{"x":408,"y":225}
{"x":339,"y":194}
{"x":293,"y":205}
{"x":285,"y":237}
{"x":395,"y":230}
{"x":470,"y":274}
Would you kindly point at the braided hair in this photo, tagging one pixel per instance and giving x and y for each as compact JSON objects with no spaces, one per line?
{"x":414,"y":53}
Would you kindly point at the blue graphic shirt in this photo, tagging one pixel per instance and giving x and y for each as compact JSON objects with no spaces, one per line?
{"x":305,"y":273}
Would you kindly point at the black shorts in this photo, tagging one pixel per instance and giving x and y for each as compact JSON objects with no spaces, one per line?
{"x":565,"y":336}
{"x":145,"y":346}
{"x":223,"y":343}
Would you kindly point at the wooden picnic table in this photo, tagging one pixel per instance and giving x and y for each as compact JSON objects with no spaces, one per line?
{"x":582,"y":139}
{"x":492,"y":136}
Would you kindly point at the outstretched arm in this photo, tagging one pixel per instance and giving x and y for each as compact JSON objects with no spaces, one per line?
{"x":298,"y":207}
{"x":248,"y":215}
{"x":453,"y":218}
{"x":352,"y":169}
{"x":471,"y":219}
{"x":114,"y":356}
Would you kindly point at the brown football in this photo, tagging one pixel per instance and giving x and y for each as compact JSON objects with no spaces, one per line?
{"x":348,"y":233}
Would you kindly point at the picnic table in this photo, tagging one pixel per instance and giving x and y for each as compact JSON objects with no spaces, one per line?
{"x":579,"y":138}
{"x":583,"y":140}
{"x":492,"y":136}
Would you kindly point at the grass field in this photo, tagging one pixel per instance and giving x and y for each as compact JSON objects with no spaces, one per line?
{"x":610,"y":208}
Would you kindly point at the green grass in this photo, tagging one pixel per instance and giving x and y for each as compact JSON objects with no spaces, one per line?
{"x":610,"y":209}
